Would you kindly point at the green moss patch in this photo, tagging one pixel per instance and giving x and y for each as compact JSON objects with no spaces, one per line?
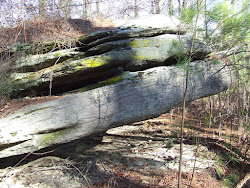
{"x":32,"y":111}
{"x":48,"y":138}
{"x":109,"y":81}
{"x":14,"y":133}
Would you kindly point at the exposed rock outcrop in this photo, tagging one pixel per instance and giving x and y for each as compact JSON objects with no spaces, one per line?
{"x":125,"y":75}
{"x":137,"y":96}
{"x":134,"y":46}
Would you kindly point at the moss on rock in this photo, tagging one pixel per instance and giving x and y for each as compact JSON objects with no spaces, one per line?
{"x":32,"y":111}
{"x":14,"y":133}
{"x":106,"y":82}
{"x":48,"y":138}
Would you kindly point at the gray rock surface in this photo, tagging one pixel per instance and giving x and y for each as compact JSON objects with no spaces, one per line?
{"x":136,"y":96}
{"x":153,"y":21}
{"x":136,"y":45}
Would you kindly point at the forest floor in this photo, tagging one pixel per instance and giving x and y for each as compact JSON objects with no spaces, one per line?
{"x":143,"y":154}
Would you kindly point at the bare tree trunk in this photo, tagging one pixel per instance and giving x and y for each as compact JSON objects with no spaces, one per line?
{"x":42,"y":5}
{"x":195,"y":159}
{"x":205,"y":20}
{"x":65,"y":8}
{"x":219,"y":110}
{"x":171,"y":118}
{"x":21,"y":27}
{"x":152,"y":7}
{"x":245,"y":100}
{"x":97,"y":7}
{"x":231,"y":131}
{"x":182,"y":126}
{"x":170,"y":7}
{"x":239,"y":105}
{"x":179,"y":5}
{"x":23,"y":20}
{"x":213,"y":107}
{"x":157,"y":7}
{"x":69,"y":9}
{"x":185,"y":95}
{"x":136,"y":8}
{"x":51,"y":5}
{"x":246,"y":92}
{"x":210,"y":112}
{"x":183,"y":3}
{"x":86,"y":8}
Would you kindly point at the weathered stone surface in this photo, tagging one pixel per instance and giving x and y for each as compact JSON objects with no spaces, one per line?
{"x":136,"y":96}
{"x":124,"y":75}
{"x":101,"y":61}
{"x":147,"y":26}
{"x":155,"y":21}
{"x":136,"y":45}
{"x":32,"y":63}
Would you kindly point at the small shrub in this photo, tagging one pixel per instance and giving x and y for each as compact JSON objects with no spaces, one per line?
{"x":7,"y":89}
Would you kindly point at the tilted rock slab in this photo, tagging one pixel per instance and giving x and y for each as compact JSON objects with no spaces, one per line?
{"x":136,"y":96}
{"x":136,"y":45}
{"x":103,"y":61}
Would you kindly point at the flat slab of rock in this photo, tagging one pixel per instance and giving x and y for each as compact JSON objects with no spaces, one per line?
{"x":154,"y":21}
{"x":101,"y":61}
{"x":137,"y":45}
{"x":137,"y":96}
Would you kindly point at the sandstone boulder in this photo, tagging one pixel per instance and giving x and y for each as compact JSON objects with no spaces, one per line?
{"x":134,"y":46}
{"x":133,"y":96}
{"x":127,"y":74}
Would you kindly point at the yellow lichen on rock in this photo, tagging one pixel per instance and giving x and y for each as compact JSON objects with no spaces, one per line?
{"x":92,"y":62}
{"x":139,"y":43}
{"x":109,"y":81}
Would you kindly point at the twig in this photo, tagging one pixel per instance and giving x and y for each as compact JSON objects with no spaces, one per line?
{"x":195,"y":158}
{"x":81,"y":174}
{"x":243,"y":181}
{"x":51,"y":77}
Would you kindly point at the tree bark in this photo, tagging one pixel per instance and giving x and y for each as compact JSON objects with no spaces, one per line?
{"x":42,"y":5}
{"x":182,"y":125}
{"x":136,"y":8}
{"x":179,"y":7}
{"x":186,"y":85}
{"x":157,"y":7}
{"x":184,"y":3}
{"x":220,"y":115}
{"x":170,"y":7}
{"x":97,"y":7}
{"x":152,"y":11}
{"x":51,"y":5}
{"x":86,"y":8}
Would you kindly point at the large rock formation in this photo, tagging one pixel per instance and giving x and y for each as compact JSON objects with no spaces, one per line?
{"x":137,"y":92}
{"x":105,"y":54}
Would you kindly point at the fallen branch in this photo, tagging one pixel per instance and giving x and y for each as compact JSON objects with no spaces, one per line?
{"x":243,"y":181}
